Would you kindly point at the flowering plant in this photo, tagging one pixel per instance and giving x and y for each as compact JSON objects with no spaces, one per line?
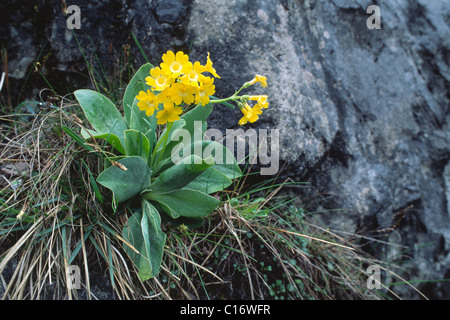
{"x":142,"y":173}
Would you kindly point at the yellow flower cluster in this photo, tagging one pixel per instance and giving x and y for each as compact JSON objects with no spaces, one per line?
{"x":176,"y":81}
{"x":251,"y":114}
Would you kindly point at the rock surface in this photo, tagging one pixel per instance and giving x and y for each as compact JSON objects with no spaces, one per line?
{"x":363,"y":113}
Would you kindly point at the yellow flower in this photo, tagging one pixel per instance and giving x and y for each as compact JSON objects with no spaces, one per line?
{"x":148,"y":102}
{"x":174,"y":82}
{"x":206,"y":89}
{"x":261,"y":100}
{"x":159,"y":80}
{"x":180,"y":92}
{"x":209,"y":68}
{"x":261,"y":79}
{"x":250,"y":114}
{"x":193,"y":74}
{"x":169,"y":114}
{"x":174,"y":65}
{"x":165,"y":97}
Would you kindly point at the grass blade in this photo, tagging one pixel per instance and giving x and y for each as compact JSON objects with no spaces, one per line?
{"x":77,"y":138}
{"x":78,"y":246}
{"x":93,"y":183}
{"x":140,"y":48}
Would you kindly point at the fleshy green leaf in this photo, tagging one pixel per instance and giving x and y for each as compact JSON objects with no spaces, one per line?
{"x":185,"y":202}
{"x":177,"y":125}
{"x":158,"y":156}
{"x":200,"y":114}
{"x":191,"y":223}
{"x":228,"y":164}
{"x":101,"y":113}
{"x":209,"y":181}
{"x":143,"y":232}
{"x":140,"y":122}
{"x":181,"y":174}
{"x":125,"y":184}
{"x":224,"y":160}
{"x":137,"y":83}
{"x":112,"y":139}
{"x":136,"y":144}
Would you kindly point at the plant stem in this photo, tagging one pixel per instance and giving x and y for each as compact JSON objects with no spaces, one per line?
{"x":223,"y":100}
{"x":234,"y":97}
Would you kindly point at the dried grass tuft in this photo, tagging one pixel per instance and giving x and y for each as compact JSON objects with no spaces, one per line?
{"x":52,"y":216}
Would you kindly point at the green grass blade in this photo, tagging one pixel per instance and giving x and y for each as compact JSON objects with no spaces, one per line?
{"x":140,"y":48}
{"x":77,"y":138}
{"x":97,"y":247}
{"x":78,"y":246}
{"x":110,"y":263}
{"x":93,"y":183}
{"x":64,"y":242}
{"x":88,"y":65}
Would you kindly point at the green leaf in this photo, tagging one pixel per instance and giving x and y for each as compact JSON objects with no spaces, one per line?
{"x":167,"y":134}
{"x":77,"y":138}
{"x":179,"y":175}
{"x":137,"y":83}
{"x":224,"y":160}
{"x":126,"y":184}
{"x":199,"y":113}
{"x":136,"y":144}
{"x":143,"y":232}
{"x":209,"y":181}
{"x":101,"y":113}
{"x":191,"y":223}
{"x":140,"y":122}
{"x":226,"y":164}
{"x":161,"y":152}
{"x":185,"y":202}
{"x":110,"y":138}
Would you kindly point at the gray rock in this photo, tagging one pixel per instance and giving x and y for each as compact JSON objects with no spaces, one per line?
{"x":170,"y":11}
{"x":363,"y":113}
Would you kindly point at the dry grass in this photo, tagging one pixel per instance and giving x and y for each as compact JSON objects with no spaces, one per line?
{"x":52,"y":215}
